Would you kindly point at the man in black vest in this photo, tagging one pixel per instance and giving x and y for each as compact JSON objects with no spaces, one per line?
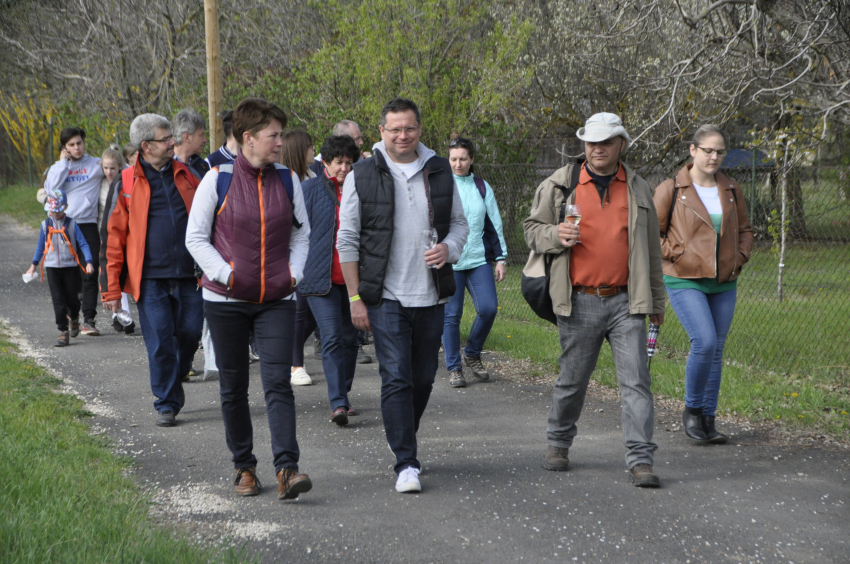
{"x":397,"y":285}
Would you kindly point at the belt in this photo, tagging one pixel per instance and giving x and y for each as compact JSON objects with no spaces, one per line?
{"x":601,"y":291}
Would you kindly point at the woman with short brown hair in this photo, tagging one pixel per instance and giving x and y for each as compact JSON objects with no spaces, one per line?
{"x":249,"y":233}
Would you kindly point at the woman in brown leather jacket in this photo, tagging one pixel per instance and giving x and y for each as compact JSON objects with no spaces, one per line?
{"x":705,"y":240}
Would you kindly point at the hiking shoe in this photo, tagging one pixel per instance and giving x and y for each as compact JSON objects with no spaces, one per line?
{"x":246,"y":482}
{"x":317,"y":348}
{"x":557,"y":459}
{"x":474,"y":363}
{"x":165,"y":419}
{"x":362,"y":357}
{"x":89,"y":328}
{"x":300,"y":377}
{"x":642,"y":476}
{"x":62,"y":340}
{"x":290,"y":483}
{"x":714,"y":436}
{"x":456,"y":379}
{"x":74,"y":325}
{"x":340,"y":416}
{"x":117,"y":326}
{"x":408,"y":481}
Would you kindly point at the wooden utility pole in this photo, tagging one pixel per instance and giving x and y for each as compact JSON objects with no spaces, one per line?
{"x":214,"y":90}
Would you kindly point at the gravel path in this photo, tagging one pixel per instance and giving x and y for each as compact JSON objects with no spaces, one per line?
{"x":485,"y":495}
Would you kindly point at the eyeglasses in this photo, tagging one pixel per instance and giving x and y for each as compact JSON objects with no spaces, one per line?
{"x":397,"y":131}
{"x":720,"y":152}
{"x":163,"y":140}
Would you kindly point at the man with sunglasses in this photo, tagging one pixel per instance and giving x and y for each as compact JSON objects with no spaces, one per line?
{"x":397,"y":283}
{"x":605,"y":280}
{"x":146,"y":256}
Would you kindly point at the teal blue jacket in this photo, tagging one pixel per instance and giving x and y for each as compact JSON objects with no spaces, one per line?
{"x":476,"y":209}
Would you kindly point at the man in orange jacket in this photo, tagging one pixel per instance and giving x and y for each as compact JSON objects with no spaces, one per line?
{"x":146,"y":256}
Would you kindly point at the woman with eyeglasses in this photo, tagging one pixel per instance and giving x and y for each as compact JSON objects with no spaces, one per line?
{"x":474,"y":271}
{"x":705,"y":240}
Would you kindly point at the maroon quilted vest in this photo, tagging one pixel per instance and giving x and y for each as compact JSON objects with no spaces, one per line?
{"x":251,"y":232}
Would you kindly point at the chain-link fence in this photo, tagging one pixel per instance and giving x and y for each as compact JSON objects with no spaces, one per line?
{"x":793,"y":308}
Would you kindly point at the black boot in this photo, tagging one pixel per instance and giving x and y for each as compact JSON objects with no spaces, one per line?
{"x":692,"y":421}
{"x":714,"y":436}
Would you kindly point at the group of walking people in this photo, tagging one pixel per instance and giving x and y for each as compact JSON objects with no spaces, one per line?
{"x":258,"y":243}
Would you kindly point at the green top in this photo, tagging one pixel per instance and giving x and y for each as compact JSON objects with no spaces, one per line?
{"x":704,"y":285}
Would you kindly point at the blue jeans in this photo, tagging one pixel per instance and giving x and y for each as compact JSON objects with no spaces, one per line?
{"x":171,"y":315}
{"x":482,"y":288}
{"x":407,"y":344}
{"x":706,"y":318}
{"x":271,"y":322}
{"x":305,"y":325}
{"x":339,"y":342}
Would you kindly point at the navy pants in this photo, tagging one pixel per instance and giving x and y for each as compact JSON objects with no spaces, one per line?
{"x":272,"y":323}
{"x":407,"y":343}
{"x":171,"y":314}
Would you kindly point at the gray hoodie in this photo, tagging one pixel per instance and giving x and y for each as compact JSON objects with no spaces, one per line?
{"x":80,"y":180}
{"x":408,"y":279}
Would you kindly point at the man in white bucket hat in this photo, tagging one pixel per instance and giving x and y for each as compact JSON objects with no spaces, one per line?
{"x":603,"y":285}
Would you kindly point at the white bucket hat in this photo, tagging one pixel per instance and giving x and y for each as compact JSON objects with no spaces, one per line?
{"x":602,"y":126}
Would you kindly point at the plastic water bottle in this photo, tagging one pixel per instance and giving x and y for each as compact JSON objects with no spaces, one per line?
{"x":123,"y":316}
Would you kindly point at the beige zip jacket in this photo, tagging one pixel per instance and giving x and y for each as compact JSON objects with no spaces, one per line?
{"x":646,"y":282}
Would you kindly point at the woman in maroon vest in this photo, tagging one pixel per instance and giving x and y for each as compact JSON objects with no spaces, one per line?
{"x":249,"y":233}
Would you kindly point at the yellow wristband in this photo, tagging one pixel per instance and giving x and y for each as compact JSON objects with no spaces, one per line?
{"x":353,"y":299}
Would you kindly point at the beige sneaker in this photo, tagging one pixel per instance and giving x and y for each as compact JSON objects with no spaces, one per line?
{"x":300,"y":377}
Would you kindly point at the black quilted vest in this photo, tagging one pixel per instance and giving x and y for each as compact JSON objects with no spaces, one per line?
{"x":376,"y":190}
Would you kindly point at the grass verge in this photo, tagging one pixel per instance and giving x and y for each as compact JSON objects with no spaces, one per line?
{"x":65,"y":496}
{"x":19,"y":202}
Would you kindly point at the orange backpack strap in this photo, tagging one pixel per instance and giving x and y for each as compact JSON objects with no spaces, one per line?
{"x":49,"y":244}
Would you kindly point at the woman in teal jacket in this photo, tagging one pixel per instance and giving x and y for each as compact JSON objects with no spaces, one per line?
{"x":474,"y":271}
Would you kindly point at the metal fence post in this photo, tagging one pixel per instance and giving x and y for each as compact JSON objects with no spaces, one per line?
{"x":753,"y":181}
{"x":29,"y":156}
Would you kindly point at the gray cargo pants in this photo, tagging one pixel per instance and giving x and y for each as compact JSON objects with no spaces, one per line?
{"x":593,"y":320}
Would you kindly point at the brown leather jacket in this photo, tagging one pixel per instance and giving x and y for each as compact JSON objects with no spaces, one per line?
{"x":688,"y":251}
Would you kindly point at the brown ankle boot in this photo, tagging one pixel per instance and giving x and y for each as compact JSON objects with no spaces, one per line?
{"x":62,"y":340}
{"x":290,"y":483}
{"x":246,"y":482}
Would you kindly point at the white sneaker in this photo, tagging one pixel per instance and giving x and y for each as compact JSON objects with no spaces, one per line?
{"x":408,"y":481}
{"x":300,"y":377}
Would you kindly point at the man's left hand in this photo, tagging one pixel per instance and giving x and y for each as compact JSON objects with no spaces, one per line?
{"x":437,"y":256}
{"x":656,"y":319}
